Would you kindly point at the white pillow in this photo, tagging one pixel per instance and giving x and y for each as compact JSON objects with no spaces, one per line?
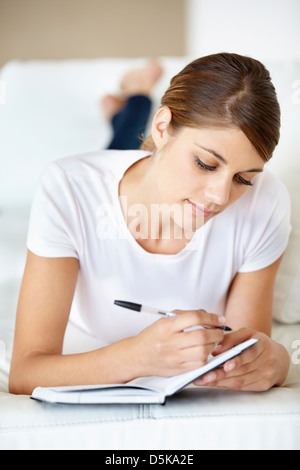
{"x":286,"y":77}
{"x":287,"y":287}
{"x":286,"y":164}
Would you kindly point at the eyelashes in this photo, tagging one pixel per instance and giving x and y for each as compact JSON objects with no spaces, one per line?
{"x":241,"y":180}
{"x":206,"y":167}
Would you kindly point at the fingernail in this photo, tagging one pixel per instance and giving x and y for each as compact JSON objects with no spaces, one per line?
{"x":200,"y":382}
{"x":222,"y":320}
{"x":210,"y":378}
{"x":230,"y":367}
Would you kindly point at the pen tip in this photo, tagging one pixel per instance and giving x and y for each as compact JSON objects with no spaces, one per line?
{"x":227,"y":328}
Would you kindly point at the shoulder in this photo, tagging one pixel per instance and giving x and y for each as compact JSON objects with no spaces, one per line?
{"x":266,"y":223}
{"x":96,"y":162}
{"x":267,"y":199}
{"x":92,"y":168}
{"x":104,"y":160}
{"x":270,"y":186}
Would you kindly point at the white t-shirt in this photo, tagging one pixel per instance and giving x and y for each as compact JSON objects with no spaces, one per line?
{"x":77,"y":213}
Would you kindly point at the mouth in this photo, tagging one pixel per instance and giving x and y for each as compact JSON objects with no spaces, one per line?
{"x":200,"y":210}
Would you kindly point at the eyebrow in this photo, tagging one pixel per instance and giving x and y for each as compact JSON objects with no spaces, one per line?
{"x":222,"y":159}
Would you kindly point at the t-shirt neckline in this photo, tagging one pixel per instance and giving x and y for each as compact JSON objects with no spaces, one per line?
{"x":186,"y":251}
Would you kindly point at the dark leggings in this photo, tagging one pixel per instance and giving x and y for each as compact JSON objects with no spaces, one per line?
{"x":130,"y":123}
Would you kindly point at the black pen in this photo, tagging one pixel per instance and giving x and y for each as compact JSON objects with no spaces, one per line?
{"x":155,"y":311}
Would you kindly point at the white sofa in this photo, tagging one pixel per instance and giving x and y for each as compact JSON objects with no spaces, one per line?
{"x":50,"y":110}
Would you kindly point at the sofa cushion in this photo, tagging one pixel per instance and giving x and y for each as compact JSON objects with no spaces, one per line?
{"x":287,"y":287}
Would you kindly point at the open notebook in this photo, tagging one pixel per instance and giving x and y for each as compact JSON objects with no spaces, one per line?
{"x":141,"y":390}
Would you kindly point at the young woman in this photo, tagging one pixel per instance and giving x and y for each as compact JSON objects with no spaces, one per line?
{"x":194,"y":223}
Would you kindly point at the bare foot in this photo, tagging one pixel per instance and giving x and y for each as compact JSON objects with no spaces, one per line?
{"x":135,"y":82}
{"x":111,"y":105}
{"x":141,"y":81}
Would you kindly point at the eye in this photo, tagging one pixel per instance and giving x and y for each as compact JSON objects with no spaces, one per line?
{"x":238,"y":178}
{"x":241,"y":180}
{"x":203,"y":165}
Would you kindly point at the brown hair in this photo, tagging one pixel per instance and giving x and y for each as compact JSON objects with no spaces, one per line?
{"x":225,"y":90}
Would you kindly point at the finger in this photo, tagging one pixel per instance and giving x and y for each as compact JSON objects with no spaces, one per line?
{"x":245,"y":361}
{"x":210,"y":379}
{"x":219,"y":375}
{"x":233,"y":339}
{"x":202,"y":336}
{"x":245,"y":382}
{"x":197,"y":355}
{"x":238,"y":367}
{"x":189,"y":319}
{"x":196,"y":339}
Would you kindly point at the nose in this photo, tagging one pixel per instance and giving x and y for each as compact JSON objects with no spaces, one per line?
{"x":218,"y":192}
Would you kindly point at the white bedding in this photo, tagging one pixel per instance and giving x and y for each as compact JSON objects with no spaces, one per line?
{"x":58,"y":115}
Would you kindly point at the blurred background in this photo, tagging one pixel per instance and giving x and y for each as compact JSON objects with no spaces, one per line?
{"x":65,"y":29}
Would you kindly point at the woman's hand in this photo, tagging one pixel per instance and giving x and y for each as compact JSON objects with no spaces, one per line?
{"x":264,"y":365}
{"x":166,"y":348}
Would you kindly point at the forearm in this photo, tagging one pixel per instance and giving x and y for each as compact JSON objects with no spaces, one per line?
{"x":112,"y":364}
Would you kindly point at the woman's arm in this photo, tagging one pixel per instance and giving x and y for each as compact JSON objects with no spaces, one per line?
{"x":43,"y":311}
{"x":250,"y":299}
{"x":249,"y":312}
{"x":44,"y":306}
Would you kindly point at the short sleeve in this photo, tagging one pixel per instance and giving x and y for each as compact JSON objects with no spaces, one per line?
{"x":269,"y":226}
{"x":54,"y":225}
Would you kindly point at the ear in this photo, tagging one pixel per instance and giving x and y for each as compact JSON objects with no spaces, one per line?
{"x":160,"y":126}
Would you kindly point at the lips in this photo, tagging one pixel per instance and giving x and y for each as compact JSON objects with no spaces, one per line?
{"x":200,"y":209}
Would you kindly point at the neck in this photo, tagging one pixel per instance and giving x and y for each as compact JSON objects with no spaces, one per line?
{"x":147,"y":216}
{"x":138,"y":194}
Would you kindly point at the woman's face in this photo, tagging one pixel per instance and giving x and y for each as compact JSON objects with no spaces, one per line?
{"x":203,"y":171}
